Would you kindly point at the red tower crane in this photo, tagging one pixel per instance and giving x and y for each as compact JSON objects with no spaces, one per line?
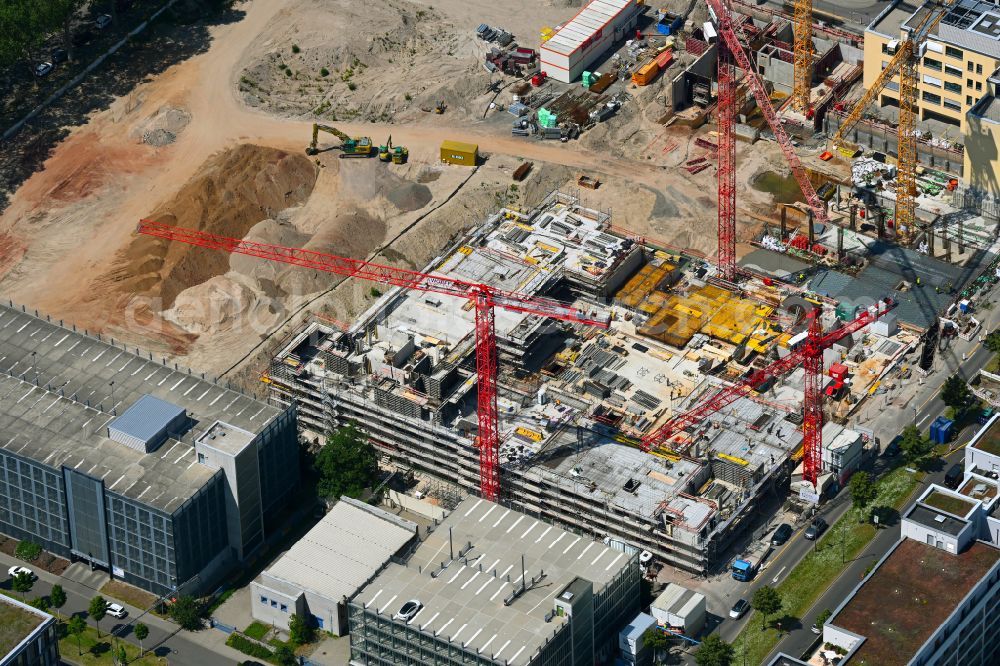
{"x":730,"y":48}
{"x":485,"y":298}
{"x":810,"y":356}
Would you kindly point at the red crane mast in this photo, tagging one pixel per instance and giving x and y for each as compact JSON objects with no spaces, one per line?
{"x":730,"y":48}
{"x":810,"y":356}
{"x":485,"y":298}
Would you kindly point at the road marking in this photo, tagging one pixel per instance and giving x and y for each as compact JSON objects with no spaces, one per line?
{"x":778,"y":575}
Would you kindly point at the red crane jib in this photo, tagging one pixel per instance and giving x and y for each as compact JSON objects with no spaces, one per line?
{"x":812,"y":348}
{"x":485,"y":298}
{"x":727,"y":32}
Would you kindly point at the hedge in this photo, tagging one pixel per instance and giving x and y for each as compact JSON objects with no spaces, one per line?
{"x":247,"y":646}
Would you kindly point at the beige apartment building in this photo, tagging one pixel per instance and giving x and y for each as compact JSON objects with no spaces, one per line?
{"x":958,"y":76}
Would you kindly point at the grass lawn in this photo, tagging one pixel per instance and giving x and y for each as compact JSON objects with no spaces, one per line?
{"x":115,"y":589}
{"x":817,"y":570}
{"x":257,"y":630}
{"x":97,"y":651}
{"x":15,"y":625}
{"x":948,"y":503}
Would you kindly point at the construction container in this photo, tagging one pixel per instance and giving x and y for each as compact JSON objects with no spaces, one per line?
{"x":941,"y":430}
{"x":456,"y":152}
{"x":645,"y":74}
{"x":602,"y":84}
{"x":664,"y":58}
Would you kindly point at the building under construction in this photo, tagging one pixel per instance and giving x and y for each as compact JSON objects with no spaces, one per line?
{"x":574,"y":402}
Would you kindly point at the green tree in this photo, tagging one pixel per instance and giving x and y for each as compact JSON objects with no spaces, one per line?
{"x":28,"y":551}
{"x":992,"y":342}
{"x":955,"y":393}
{"x":76,"y":626}
{"x":655,"y":640}
{"x":714,"y":651}
{"x":41,"y":603}
{"x":823,"y":617}
{"x":22,"y":583}
{"x":283,"y":656}
{"x":141,"y":632}
{"x":119,"y":656}
{"x":914,"y":445}
{"x":766,"y":601}
{"x":863,"y":491}
{"x":347,"y":464}
{"x":186,"y":612}
{"x":300,"y":630}
{"x":97,"y":609}
{"x":57,"y":597}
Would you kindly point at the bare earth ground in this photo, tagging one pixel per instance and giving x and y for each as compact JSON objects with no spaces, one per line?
{"x":200,"y":147}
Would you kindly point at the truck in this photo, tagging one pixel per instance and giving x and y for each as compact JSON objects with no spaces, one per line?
{"x":745,"y":569}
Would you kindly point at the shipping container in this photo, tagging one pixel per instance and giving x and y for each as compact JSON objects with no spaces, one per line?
{"x":645,"y":74}
{"x":456,"y":152}
{"x":665,"y":58}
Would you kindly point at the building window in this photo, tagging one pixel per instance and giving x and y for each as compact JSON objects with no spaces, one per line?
{"x":979,"y":86}
{"x":318,"y":621}
{"x":968,"y":83}
{"x":968,"y":100}
{"x":952,"y":52}
{"x":284,"y":608}
{"x":263,"y":599}
{"x":954,"y":106}
{"x":274,"y":604}
{"x":201,"y":458}
{"x":885,"y":49}
{"x":968,"y":66}
{"x":952,"y":87}
{"x":931,"y":63}
{"x":952,"y":71}
{"x":979,"y":69}
{"x":931,"y":97}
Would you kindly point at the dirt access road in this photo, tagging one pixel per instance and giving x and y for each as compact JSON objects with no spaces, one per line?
{"x":68,"y":219}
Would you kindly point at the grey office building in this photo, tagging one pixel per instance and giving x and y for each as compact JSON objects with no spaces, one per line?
{"x":496,"y":586}
{"x":162,"y":477}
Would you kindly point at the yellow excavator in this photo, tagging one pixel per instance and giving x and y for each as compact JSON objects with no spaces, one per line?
{"x":359,"y":146}
{"x":394,"y":154}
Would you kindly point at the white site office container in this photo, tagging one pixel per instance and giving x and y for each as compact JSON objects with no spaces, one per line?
{"x":586,"y":37}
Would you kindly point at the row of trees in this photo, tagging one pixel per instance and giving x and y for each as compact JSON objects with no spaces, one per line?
{"x":24,"y":25}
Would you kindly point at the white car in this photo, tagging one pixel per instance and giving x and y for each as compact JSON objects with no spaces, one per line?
{"x":43,"y":69}
{"x":103,"y":21}
{"x":15,"y":570}
{"x":116,"y":610}
{"x":408,"y":611}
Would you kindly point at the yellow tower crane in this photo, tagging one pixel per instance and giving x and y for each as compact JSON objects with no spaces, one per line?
{"x":803,"y":60}
{"x":904,"y":64}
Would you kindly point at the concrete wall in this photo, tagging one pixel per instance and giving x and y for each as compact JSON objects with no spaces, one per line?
{"x":982,"y":155}
{"x":952,"y":544}
{"x":420,"y":507}
{"x":884,"y":139}
{"x":266,"y":603}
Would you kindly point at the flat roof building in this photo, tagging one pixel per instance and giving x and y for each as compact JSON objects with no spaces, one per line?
{"x":492,"y":585}
{"x":29,"y":637}
{"x":342,"y":553}
{"x":158,"y":475}
{"x":587,"y":36}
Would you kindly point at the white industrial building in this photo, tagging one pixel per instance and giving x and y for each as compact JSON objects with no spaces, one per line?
{"x":345,"y":550}
{"x":680,"y":610}
{"x":586,"y":37}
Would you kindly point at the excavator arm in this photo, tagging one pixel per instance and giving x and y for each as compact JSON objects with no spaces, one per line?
{"x":317,"y":128}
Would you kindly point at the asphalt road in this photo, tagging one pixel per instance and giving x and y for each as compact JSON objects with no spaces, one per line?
{"x":165,"y":638}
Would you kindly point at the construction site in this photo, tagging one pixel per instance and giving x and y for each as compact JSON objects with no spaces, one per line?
{"x":631,"y":269}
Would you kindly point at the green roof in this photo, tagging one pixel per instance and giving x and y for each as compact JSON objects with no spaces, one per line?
{"x":15,"y":625}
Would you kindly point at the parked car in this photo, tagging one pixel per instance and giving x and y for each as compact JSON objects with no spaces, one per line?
{"x":117,"y":610}
{"x":17,"y":570}
{"x":892,"y":449}
{"x":408,"y":611}
{"x":815,"y":529}
{"x":103,"y":21}
{"x":739,"y":609}
{"x":43,"y":68}
{"x":816,"y":629}
{"x":954,"y":476}
{"x":781,"y":535}
{"x":59,"y":55}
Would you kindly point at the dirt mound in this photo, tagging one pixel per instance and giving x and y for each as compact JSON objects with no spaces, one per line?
{"x":369,"y":180}
{"x":232,"y":192}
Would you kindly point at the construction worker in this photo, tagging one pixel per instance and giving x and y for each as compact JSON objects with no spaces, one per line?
{"x":918,"y":281}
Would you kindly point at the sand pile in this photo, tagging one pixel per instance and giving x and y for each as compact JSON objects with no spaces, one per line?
{"x":231,"y":193}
